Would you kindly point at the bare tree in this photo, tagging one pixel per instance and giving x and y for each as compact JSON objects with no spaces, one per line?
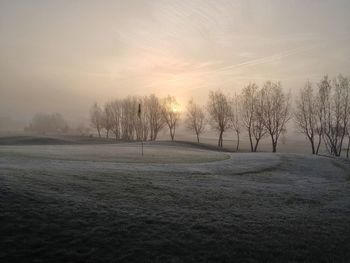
{"x":171,"y":114}
{"x":195,"y":118}
{"x":96,"y":118}
{"x":307,"y":117}
{"x":336,"y":108}
{"x":275,"y":111}
{"x":155,"y":116}
{"x":250,"y":114}
{"x":236,"y":117}
{"x":348,"y":147}
{"x":319,"y":115}
{"x":348,"y":122}
{"x":121,"y":117}
{"x":129,"y":108}
{"x":219,"y":110}
{"x":115,"y":108}
{"x":107,"y":118}
{"x":324,"y":94}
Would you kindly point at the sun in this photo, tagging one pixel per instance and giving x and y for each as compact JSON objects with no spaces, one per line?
{"x":176,"y":108}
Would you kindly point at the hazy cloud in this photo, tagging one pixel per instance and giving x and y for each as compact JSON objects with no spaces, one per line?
{"x":63,"y":55}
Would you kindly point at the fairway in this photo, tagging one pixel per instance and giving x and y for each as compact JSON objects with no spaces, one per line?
{"x":102,"y":203}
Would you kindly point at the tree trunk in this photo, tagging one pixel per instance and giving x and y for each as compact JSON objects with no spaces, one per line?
{"x":318,"y":144}
{"x":107,"y":135}
{"x":338,"y":151}
{"x":274,"y":147}
{"x":99,"y":132}
{"x":274,"y":144}
{"x":313,"y":148}
{"x":251,"y":141}
{"x":172,"y":133}
{"x":197,"y":137}
{"x":220,"y":140}
{"x":341,"y":142}
{"x":256,"y":145}
{"x":237,"y":145}
{"x":348,"y":149}
{"x":312,"y":145}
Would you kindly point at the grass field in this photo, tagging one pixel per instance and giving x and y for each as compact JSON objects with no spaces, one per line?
{"x":178,"y":203}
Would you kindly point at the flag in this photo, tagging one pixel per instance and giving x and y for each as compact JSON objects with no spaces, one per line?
{"x":139,"y":112}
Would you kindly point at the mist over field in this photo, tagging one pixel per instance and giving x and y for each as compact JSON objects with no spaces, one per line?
{"x":62,"y":56}
{"x":174,"y":131}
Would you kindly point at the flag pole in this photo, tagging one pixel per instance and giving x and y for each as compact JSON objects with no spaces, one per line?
{"x":142,"y":142}
{"x":139,"y":115}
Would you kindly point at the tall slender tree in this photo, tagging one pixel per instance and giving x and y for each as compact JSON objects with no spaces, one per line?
{"x":275,"y":111}
{"x":96,"y":118}
{"x":155,"y":116}
{"x":195,"y":118}
{"x":236,"y":117}
{"x":171,"y":114}
{"x":115,"y":107}
{"x":252,"y":118}
{"x":306,"y":116}
{"x":107,"y":118}
{"x":219,"y":109}
{"x":336,"y":109}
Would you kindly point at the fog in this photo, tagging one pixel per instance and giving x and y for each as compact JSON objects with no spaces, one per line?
{"x":61,"y":56}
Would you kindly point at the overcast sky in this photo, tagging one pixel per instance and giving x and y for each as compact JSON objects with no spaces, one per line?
{"x":61,"y":56}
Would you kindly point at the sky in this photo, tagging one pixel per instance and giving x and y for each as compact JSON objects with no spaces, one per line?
{"x":61,"y":56}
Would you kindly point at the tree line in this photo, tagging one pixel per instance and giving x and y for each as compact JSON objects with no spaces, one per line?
{"x":136,"y":118}
{"x":47,"y":123}
{"x":321,"y":114}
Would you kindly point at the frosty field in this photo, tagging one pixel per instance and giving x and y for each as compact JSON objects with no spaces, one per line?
{"x":178,"y":203}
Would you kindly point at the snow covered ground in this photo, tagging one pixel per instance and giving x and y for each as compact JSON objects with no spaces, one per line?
{"x":178,"y":203}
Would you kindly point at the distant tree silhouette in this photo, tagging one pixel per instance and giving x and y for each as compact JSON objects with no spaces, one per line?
{"x":275,"y":111}
{"x":335,"y":101}
{"x":252,"y":119}
{"x":171,"y":114}
{"x":195,"y":118}
{"x":48,"y":123}
{"x":96,"y":118}
{"x":107,"y":118}
{"x":219,"y":110}
{"x":235,"y":117}
{"x":306,"y":116}
{"x":155,"y":116}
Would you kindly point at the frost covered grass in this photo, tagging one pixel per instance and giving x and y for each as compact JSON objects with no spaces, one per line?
{"x":68,"y":204}
{"x":120,"y":153}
